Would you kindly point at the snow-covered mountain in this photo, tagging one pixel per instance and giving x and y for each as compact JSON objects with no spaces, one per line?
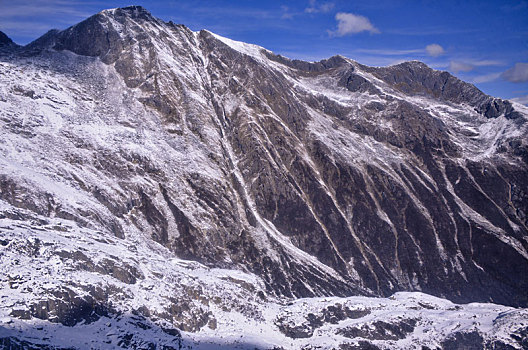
{"x":164,"y":188}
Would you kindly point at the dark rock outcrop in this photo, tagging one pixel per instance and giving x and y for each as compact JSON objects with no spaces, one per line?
{"x":380,"y":330}
{"x":5,"y":40}
{"x":7,"y":46}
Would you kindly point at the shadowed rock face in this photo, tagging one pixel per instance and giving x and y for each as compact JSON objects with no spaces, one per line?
{"x":6,"y":44}
{"x":5,"y":40}
{"x":326,"y":178}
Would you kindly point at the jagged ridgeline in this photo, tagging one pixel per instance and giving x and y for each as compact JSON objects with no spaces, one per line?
{"x":325,"y":178}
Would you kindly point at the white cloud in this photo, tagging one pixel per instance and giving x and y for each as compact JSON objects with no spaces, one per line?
{"x":455,"y":67}
{"x":349,"y":23}
{"x":522,"y":100}
{"x":315,"y":8}
{"x":434,"y":50}
{"x":517,"y":74}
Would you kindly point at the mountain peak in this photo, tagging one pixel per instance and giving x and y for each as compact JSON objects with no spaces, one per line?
{"x":99,"y":35}
{"x":413,"y":63}
{"x":134,"y":12}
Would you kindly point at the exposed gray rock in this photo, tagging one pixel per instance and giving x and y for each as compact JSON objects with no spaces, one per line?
{"x":380,"y":330}
{"x":331,"y":314}
{"x":464,"y":340}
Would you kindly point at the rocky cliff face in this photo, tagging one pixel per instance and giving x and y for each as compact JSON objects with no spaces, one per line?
{"x":4,"y":39}
{"x":6,"y":44}
{"x":321,"y":179}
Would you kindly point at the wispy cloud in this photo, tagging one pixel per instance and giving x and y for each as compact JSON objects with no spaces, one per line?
{"x":24,"y":27}
{"x":469,"y":65}
{"x":349,"y":23}
{"x":430,"y":31}
{"x":434,"y":50}
{"x":517,"y":74}
{"x":25,"y":20}
{"x":286,"y":13}
{"x":486,"y":63}
{"x":390,"y":52}
{"x":222,"y":11}
{"x":521,"y":99}
{"x":486,"y":78}
{"x":323,"y":7}
{"x":40,"y":8}
{"x":456,"y":67}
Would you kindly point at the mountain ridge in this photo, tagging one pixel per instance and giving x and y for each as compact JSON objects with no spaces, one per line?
{"x":139,"y":12}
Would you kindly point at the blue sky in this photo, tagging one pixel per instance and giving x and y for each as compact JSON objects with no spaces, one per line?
{"x":482,"y":42}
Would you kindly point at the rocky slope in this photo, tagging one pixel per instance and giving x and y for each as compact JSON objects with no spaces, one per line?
{"x":64,"y":286}
{"x":129,"y":143}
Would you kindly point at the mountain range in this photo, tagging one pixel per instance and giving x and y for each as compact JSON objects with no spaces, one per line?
{"x":168,"y":189}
